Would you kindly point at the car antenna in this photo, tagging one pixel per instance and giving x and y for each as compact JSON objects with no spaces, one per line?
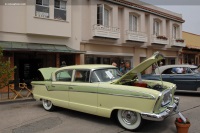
{"x":159,"y":73}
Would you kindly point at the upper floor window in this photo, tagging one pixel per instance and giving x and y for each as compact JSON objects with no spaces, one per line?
{"x":60,"y":9}
{"x":103,"y":15}
{"x":42,"y":8}
{"x":175,"y":31}
{"x":133,"y":23}
{"x":156,"y":27}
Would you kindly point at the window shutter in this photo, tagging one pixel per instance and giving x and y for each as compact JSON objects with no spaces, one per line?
{"x":154,"y":27}
{"x":46,"y":2}
{"x":134,"y":23}
{"x":106,"y":17}
{"x":130,"y":23}
{"x":100,"y":14}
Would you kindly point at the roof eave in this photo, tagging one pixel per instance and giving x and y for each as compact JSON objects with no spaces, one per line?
{"x":162,"y":14}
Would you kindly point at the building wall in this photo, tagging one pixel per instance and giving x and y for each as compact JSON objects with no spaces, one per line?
{"x":120,"y":18}
{"x":20,"y":24}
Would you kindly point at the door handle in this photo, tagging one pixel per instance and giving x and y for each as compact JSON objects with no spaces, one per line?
{"x":71,"y":88}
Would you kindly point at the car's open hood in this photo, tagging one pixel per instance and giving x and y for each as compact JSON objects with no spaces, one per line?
{"x":140,"y":68}
{"x":46,"y":72}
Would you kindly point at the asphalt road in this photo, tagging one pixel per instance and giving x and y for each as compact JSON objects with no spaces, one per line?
{"x":30,"y":117}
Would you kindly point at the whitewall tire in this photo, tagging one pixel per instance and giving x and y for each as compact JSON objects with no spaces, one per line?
{"x":128,"y":119}
{"x":47,"y":105}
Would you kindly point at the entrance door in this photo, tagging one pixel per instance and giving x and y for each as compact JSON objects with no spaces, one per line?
{"x":28,"y":69}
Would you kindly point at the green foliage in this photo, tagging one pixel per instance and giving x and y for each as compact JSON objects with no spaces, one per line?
{"x":5,"y":70}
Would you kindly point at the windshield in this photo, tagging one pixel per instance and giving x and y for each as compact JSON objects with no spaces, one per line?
{"x":105,"y":75}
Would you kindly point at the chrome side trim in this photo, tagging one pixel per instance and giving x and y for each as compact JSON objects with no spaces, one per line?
{"x":153,"y":97}
{"x":157,"y":102}
{"x":123,"y":95}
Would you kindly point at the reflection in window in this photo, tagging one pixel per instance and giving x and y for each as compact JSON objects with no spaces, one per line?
{"x":133,"y":23}
{"x":103,"y":15}
{"x":82,"y":76}
{"x":106,"y":75}
{"x":60,"y":10}
{"x":175,"y":32}
{"x":65,"y":75}
{"x":156,"y":27}
{"x":42,"y":8}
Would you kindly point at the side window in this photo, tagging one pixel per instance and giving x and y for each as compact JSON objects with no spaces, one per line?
{"x":168,"y":71}
{"x":94,"y":77}
{"x":65,"y":75}
{"x":82,"y":76}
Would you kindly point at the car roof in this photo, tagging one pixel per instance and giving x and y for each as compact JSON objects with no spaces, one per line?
{"x":163,"y":68}
{"x":88,"y":66}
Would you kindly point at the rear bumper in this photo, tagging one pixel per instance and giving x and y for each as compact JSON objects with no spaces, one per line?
{"x":163,"y":115}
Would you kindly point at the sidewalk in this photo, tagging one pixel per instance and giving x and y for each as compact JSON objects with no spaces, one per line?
{"x":5,"y":97}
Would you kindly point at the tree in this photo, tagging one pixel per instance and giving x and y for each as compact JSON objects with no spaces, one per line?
{"x":5,"y":70}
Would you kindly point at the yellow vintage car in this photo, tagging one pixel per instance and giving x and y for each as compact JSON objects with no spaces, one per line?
{"x":101,"y":90}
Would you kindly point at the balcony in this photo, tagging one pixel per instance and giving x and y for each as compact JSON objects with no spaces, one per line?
{"x":107,"y":32}
{"x":178,"y":43}
{"x":136,"y":36}
{"x":159,"y":40}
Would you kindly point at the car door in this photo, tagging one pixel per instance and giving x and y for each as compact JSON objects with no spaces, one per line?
{"x":185,"y":80}
{"x":58,"y":89}
{"x":82,"y":93}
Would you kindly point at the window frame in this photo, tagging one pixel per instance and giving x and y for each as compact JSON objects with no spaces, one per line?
{"x":101,"y":17}
{"x":78,"y":70}
{"x":156,"y":27}
{"x":44,"y":6}
{"x":42,"y":3}
{"x":56,"y":78}
{"x":61,"y":9}
{"x":175,"y":32}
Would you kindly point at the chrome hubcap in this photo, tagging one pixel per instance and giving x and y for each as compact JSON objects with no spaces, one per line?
{"x":47,"y":103}
{"x":129,"y":117}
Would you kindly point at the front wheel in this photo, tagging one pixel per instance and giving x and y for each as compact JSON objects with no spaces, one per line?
{"x":129,"y":120}
{"x":48,"y":105}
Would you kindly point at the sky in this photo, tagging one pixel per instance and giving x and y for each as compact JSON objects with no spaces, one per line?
{"x":190,"y":10}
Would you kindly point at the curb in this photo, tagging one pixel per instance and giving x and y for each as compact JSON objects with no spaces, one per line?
{"x":21,"y":100}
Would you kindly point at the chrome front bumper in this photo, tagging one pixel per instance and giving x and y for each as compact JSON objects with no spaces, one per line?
{"x":163,"y":115}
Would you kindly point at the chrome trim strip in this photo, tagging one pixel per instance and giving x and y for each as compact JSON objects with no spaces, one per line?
{"x":157,"y":102}
{"x":186,"y":80}
{"x":153,"y":97}
{"x":136,"y":96}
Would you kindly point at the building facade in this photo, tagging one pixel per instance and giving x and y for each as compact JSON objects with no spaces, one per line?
{"x":43,"y":33}
{"x":128,"y":30}
{"x":191,"y":53}
{"x":37,"y":33}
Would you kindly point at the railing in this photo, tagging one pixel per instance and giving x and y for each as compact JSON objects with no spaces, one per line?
{"x":104,"y":31}
{"x":159,"y":39}
{"x":136,"y":36}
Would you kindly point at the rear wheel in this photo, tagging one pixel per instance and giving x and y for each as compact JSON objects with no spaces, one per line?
{"x":129,"y":120}
{"x":48,"y":105}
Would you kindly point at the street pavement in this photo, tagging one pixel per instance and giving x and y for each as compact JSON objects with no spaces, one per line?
{"x":30,"y":117}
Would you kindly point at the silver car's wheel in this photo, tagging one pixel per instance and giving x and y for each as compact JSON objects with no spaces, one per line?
{"x":47,"y":105}
{"x":128,"y":119}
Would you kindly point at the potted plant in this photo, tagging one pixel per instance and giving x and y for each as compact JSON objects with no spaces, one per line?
{"x":182,"y":124}
{"x":180,"y":40}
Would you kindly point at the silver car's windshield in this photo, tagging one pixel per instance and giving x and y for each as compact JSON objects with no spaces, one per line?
{"x":105,"y":75}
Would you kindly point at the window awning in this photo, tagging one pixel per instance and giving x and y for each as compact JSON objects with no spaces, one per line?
{"x":37,"y":47}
